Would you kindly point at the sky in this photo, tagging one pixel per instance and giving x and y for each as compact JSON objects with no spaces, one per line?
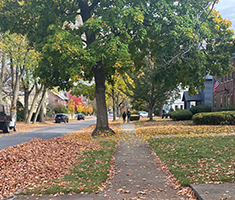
{"x":227,"y":10}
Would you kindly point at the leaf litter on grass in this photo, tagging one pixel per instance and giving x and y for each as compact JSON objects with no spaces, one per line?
{"x":34,"y":163}
{"x":183,"y":130}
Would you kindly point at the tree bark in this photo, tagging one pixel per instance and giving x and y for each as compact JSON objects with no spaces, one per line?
{"x":161,"y":108}
{"x":38,"y":92}
{"x":114,"y":105}
{"x":150,"y":113}
{"x":102,"y":126}
{"x":17,"y":76}
{"x":2,"y":75}
{"x":42,"y":116}
{"x":40,"y":105}
{"x":27,"y":93}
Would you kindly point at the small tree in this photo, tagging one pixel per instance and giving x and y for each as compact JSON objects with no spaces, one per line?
{"x":61,"y":109}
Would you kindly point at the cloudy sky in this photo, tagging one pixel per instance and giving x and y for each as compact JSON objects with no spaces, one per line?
{"x":227,"y":10}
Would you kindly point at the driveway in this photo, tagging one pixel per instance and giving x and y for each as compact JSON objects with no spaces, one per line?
{"x":47,"y":132}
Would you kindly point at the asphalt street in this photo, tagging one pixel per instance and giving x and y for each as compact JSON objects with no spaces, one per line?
{"x":44,"y":133}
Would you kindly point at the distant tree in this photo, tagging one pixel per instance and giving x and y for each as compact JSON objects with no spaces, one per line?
{"x":147,"y":89}
{"x":114,"y":87}
{"x":115,"y":36}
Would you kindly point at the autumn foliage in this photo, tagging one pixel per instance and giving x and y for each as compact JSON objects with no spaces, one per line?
{"x":32,"y":164}
{"x":76,"y":104}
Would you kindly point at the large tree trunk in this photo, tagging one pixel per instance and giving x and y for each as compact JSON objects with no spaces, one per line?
{"x":3,"y":64}
{"x":42,"y":116}
{"x":161,"y":108}
{"x":38,"y":92}
{"x":114,"y":105}
{"x":27,"y":92}
{"x":102,"y":126}
{"x":16,"y":86}
{"x":40,"y":105}
{"x":150,"y":113}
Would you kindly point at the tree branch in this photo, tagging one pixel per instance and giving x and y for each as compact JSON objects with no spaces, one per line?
{"x":194,"y":37}
{"x":93,"y":5}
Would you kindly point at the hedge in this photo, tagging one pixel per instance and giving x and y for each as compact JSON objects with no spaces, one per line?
{"x":215,"y":118}
{"x":200,"y":108}
{"x":134,"y":117}
{"x":227,"y":108}
{"x":181,"y":115}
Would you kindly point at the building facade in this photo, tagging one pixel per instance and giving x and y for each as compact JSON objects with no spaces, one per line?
{"x":204,"y":96}
{"x":224,"y":94}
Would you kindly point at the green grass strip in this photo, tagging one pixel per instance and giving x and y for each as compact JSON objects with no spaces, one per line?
{"x":198,"y":159}
{"x":86,"y":176}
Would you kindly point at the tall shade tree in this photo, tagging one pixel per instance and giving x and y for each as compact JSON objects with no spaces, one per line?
{"x":15,"y":49}
{"x":114,"y":87}
{"x":147,"y":87}
{"x":114,"y":36}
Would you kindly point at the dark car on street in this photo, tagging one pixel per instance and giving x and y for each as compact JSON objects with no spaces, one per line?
{"x":61,"y":117}
{"x":80,"y":116}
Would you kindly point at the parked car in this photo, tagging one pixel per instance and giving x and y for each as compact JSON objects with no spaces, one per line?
{"x":6,"y":122}
{"x":61,"y":117}
{"x":143,"y":114}
{"x":80,"y":116}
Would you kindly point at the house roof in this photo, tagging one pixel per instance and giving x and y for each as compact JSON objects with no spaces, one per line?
{"x":186,"y":97}
{"x":61,"y":96}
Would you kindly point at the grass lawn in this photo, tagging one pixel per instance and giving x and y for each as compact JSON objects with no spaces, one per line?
{"x":87,"y":175}
{"x":198,"y":159}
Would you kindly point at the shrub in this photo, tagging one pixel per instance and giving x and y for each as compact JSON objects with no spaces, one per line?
{"x":134,"y":112}
{"x":200,"y":109}
{"x":20,"y":112}
{"x":227,"y":108}
{"x":61,"y":109}
{"x":181,"y":115}
{"x":215,"y":118}
{"x":156,"y":112}
{"x":134,"y":117}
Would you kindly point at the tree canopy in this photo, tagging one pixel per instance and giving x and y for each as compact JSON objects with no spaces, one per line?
{"x":99,"y":38}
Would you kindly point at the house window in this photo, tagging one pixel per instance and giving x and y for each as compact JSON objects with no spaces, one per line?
{"x":231,"y":99}
{"x":232,"y":76}
{"x":225,"y":78}
{"x":56,"y":100}
{"x":214,"y":102}
{"x":228,"y":99}
{"x":221,"y":102}
{"x":229,"y":77}
{"x":222,"y":79}
{"x":176,"y":107}
{"x":225,"y":100}
{"x":181,"y":107}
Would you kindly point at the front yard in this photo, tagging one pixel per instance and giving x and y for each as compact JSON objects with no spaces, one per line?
{"x":193,"y":154}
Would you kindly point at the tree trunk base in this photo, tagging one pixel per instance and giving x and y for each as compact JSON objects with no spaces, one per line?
{"x":100,"y":132}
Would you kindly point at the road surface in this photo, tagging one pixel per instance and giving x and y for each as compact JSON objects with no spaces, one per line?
{"x":44,"y":133}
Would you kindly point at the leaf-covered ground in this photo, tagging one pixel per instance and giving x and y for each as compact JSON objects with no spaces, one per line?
{"x":167,"y":127}
{"x":57,"y":162}
{"x":198,"y":159}
{"x":33,"y":163}
{"x":194,"y":154}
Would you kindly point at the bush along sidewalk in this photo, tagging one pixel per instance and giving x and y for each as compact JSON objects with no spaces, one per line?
{"x":215,"y":118}
{"x":87,"y":176}
{"x":181,"y":115}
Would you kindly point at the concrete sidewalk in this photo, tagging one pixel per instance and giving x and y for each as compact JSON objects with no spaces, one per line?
{"x":137,"y":175}
{"x":214,"y":191}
